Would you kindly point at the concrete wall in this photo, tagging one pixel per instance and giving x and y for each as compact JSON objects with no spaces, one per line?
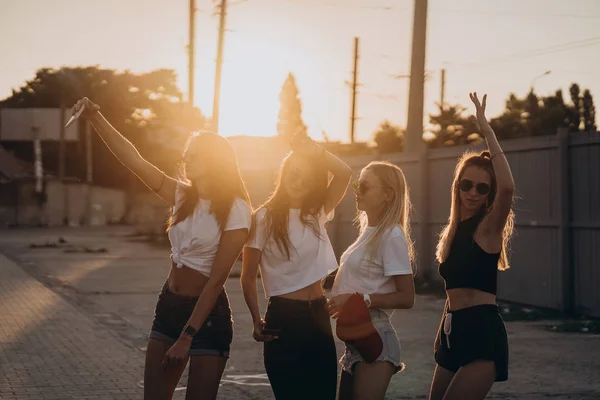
{"x":69,"y":199}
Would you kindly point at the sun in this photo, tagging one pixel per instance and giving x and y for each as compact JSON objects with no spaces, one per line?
{"x":251,"y":81}
{"x":255,"y":66}
{"x":254,"y":70}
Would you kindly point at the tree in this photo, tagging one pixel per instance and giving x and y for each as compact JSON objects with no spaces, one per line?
{"x":389,"y":138}
{"x":453,"y":128}
{"x":589,"y":112}
{"x":538,"y":116}
{"x":146,"y":108}
{"x":290,"y":112}
{"x":511,"y":124}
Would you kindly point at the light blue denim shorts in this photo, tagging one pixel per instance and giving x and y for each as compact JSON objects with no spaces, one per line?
{"x":391,"y":345}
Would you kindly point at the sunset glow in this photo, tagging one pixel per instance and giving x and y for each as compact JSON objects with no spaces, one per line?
{"x":485,"y":46}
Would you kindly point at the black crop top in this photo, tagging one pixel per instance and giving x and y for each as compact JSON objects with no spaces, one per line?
{"x":467,"y":264}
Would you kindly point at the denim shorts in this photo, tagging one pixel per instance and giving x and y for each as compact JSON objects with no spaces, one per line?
{"x":391,"y":345}
{"x":172,"y":313}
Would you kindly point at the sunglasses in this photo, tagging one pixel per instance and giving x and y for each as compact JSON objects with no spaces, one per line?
{"x":466,"y":185}
{"x":361,"y":187}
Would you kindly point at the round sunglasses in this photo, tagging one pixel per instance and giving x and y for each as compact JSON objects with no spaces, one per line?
{"x":466,"y":185}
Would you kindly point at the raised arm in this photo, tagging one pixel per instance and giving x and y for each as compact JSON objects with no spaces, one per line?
{"x":339,"y":184}
{"x":503,"y":202}
{"x":341,"y":172}
{"x":127,"y":154}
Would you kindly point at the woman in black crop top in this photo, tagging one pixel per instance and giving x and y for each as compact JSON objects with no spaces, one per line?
{"x":471,"y":348}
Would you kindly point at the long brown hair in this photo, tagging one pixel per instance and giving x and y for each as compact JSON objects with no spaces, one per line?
{"x":224,"y":182}
{"x":481,"y":160}
{"x":278,"y":205}
{"x":395,"y":212}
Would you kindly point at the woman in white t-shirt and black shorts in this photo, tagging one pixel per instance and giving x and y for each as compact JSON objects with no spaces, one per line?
{"x":378,"y":267}
{"x":289,"y":242}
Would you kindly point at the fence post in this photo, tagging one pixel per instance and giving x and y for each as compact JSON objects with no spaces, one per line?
{"x":564,"y":239}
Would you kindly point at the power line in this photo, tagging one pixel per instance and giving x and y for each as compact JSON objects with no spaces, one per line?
{"x":509,"y":14}
{"x":533,"y":53}
{"x":388,"y":7}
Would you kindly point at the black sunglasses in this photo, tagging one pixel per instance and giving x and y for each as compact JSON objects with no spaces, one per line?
{"x":361,"y":187}
{"x":482,"y":188}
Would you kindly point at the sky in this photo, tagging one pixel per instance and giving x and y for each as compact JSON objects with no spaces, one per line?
{"x":488,"y":46}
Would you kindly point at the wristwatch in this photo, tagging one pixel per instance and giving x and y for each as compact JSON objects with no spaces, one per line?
{"x":367,"y":299}
{"x":190,"y":331}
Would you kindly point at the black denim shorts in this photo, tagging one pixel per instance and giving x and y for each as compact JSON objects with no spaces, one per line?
{"x":475,"y":333}
{"x":172,"y":313}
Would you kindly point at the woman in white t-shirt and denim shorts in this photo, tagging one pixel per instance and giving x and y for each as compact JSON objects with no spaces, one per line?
{"x":289,"y":242}
{"x":377,"y":266}
{"x":209,"y":225}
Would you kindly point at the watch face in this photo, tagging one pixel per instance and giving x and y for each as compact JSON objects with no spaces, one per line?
{"x":189,"y":330}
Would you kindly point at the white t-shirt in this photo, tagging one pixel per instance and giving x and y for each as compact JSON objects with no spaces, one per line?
{"x":311,"y":258}
{"x":195,"y":240}
{"x":357,"y":274}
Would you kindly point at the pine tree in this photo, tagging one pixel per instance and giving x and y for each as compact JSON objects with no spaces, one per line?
{"x":290,"y":112}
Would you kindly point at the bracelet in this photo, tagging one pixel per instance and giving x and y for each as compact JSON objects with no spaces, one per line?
{"x":494,"y":155}
{"x":162,"y":181}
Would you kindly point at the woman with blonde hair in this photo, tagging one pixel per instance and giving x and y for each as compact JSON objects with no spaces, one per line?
{"x":375,"y":273}
{"x":209,"y":225}
{"x":471,"y":348}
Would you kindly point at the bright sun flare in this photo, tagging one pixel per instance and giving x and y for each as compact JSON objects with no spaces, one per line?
{"x":254,"y":70}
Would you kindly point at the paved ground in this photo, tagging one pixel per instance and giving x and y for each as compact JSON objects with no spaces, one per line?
{"x":73,"y":324}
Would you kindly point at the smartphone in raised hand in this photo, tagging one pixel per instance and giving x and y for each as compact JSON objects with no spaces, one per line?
{"x":75,"y":117}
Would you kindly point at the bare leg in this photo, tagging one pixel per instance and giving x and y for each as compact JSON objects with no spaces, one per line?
{"x":346,"y":385}
{"x":472,"y":382}
{"x":372,"y":380}
{"x":160,"y":383}
{"x":205,"y":377}
{"x":441,"y":380}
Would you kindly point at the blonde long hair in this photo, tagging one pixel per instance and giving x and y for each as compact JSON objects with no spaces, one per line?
{"x":481,"y":160}
{"x":395,"y":212}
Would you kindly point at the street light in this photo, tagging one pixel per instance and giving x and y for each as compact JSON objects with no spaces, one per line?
{"x":538,"y":77}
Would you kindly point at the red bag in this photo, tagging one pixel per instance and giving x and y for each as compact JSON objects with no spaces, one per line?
{"x":354,"y":326}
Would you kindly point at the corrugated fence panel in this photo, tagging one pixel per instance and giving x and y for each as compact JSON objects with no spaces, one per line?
{"x":535,"y":275}
{"x":584,"y":157}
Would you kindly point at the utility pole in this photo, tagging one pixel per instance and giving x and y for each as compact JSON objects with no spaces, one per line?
{"x":219,"y":67}
{"x":88,"y":170}
{"x":191,"y":51}
{"x":413,"y":142}
{"x":354,"y":85}
{"x":39,"y":168}
{"x":443,"y":88}
{"x":61,"y":162}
